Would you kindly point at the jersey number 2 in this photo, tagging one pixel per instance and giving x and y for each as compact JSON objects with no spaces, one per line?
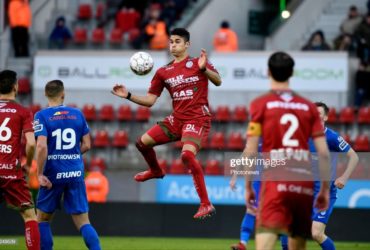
{"x":287,"y":138}
{"x":67,"y":137}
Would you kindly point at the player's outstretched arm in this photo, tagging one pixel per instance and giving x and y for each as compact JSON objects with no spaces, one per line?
{"x":121,"y":91}
{"x":30,"y":148}
{"x":41,"y":155}
{"x":213,"y":76}
{"x":85,"y":143}
{"x":250,"y":151}
{"x":341,"y":181}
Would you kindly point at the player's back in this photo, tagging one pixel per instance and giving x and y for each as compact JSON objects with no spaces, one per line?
{"x":64,"y":128}
{"x":14,"y":121}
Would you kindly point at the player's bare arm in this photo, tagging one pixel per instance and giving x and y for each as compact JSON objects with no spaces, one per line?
{"x":213,"y":76}
{"x":41,"y":155}
{"x":85,"y":143}
{"x":121,"y":91}
{"x":341,"y":181}
{"x":250,"y":151}
{"x":30,"y":149}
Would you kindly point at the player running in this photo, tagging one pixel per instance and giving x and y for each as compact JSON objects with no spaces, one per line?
{"x":285,"y":121}
{"x":62,"y":137}
{"x":14,"y":121}
{"x":186,"y":79}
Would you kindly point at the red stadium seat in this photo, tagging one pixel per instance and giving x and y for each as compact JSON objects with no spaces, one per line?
{"x":101,"y":139}
{"x":133,"y":34}
{"x":142,"y":114}
{"x":364,"y":115}
{"x":98,"y":36}
{"x":106,"y":113}
{"x":217,"y":141}
{"x":115,"y":36}
{"x":235,"y":141}
{"x":163,"y":164}
{"x":80,"y":36}
{"x":178,"y":144}
{"x":98,"y":162}
{"x":124,"y":113}
{"x":120,"y":139}
{"x":347,"y":138}
{"x":212,"y":168}
{"x":361,"y":143}
{"x":89,"y":112}
{"x":35,"y":107}
{"x":240,"y":114}
{"x":24,"y":86}
{"x":100,"y":8}
{"x":222,"y":114}
{"x":347,"y":115}
{"x":177,"y":167}
{"x":332,"y":115}
{"x":84,"y":11}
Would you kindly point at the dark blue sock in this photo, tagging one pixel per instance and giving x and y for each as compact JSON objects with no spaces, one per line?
{"x":90,"y":236}
{"x":46,"y":236}
{"x":328,"y":244}
{"x":247,"y":227}
{"x":284,"y":242}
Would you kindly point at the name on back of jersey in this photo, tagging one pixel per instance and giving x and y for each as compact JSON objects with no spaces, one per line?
{"x":67,"y":175}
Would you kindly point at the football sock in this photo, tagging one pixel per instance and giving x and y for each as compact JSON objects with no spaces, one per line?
{"x":189,"y":160}
{"x":284,"y":242}
{"x":90,"y":236}
{"x":46,"y":236}
{"x":149,"y":155}
{"x":327,"y":244}
{"x":247,"y":227}
{"x":32,"y":235}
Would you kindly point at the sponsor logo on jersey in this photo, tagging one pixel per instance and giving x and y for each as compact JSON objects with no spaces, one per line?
{"x":191,"y":128}
{"x":37,"y":127}
{"x":189,"y":64}
{"x":342,"y":143}
{"x":61,"y":113}
{"x":2,"y":105}
{"x":8,"y":177}
{"x":6,"y":166}
{"x":6,"y":149}
{"x":70,"y":174}
{"x":3,"y":110}
{"x":287,"y":105}
{"x":182,"y":95}
{"x":178,"y":80}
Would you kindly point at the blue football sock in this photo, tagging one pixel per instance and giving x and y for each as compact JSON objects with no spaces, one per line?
{"x":90,"y":236}
{"x":284,"y":242}
{"x":327,"y":244}
{"x":46,"y":236}
{"x":247,"y":227}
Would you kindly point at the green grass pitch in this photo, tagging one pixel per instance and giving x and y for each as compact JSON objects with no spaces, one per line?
{"x":137,"y":243}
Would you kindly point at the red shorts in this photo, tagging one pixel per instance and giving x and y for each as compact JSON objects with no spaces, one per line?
{"x":194,"y":132}
{"x":16,"y":193}
{"x":285,"y":208}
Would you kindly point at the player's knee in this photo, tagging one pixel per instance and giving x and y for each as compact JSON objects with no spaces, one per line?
{"x":141,"y":146}
{"x":317,"y":235}
{"x":187,"y":156}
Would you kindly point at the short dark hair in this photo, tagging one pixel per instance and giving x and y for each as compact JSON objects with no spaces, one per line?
{"x":281,"y":66}
{"x":324,"y":106}
{"x":225,"y":24}
{"x":182,"y":32}
{"x":8,"y":78}
{"x":54,"y":88}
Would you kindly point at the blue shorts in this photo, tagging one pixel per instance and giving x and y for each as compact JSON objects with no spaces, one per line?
{"x":73,"y":195}
{"x":323,"y":216}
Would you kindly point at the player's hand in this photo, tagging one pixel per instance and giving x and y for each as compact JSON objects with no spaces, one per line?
{"x":44,"y":181}
{"x":232,"y":182}
{"x":26,"y":169}
{"x":340,"y":182}
{"x":120,"y":91}
{"x":202,"y":61}
{"x":250,"y":198}
{"x":322,"y":200}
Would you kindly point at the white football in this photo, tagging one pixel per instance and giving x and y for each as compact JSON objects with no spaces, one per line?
{"x":141,"y":63}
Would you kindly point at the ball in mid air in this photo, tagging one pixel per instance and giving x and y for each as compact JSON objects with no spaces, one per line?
{"x":141,"y":63}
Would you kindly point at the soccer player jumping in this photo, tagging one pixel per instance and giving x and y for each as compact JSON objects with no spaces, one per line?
{"x":186,"y":79}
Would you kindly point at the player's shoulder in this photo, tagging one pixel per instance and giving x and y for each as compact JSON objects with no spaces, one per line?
{"x":167,"y":66}
{"x":331,"y":134}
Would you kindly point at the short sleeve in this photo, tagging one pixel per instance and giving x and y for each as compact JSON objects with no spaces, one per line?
{"x":256,"y":117}
{"x":27,"y":125}
{"x":156,"y":85}
{"x":317,"y":126}
{"x":211,"y":66}
{"x":39,"y":125}
{"x":339,"y":144}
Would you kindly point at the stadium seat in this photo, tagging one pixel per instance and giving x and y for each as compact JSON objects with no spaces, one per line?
{"x":80,"y":36}
{"x":235,"y":141}
{"x":177,"y":167}
{"x":101,"y":139}
{"x":240,"y":114}
{"x":361,"y":143}
{"x":24,"y":86}
{"x":35,"y":107}
{"x":115,"y":36}
{"x":106,"y":113}
{"x":332,"y":115}
{"x":217,"y":141}
{"x":124,"y":113}
{"x":98,"y":162}
{"x":347,"y":138}
{"x":100,"y":8}
{"x":89,"y":112}
{"x":133,"y":34}
{"x":364,"y":115}
{"x":212,"y":168}
{"x":98,"y":36}
{"x":163,"y":164}
{"x":222,"y":114}
{"x":84,"y":11}
{"x":120,"y":139}
{"x":347,"y":115}
{"x":142,"y":114}
{"x":178,"y":144}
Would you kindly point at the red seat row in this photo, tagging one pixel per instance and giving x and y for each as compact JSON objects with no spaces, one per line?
{"x":85,"y":11}
{"x":347,"y":115}
{"x":98,"y":36}
{"x":101,"y":139}
{"x":224,"y":114}
{"x":212,"y":167}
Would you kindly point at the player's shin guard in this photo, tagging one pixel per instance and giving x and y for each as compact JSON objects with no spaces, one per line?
{"x":90,"y":236}
{"x":284,"y":242}
{"x":247,"y":228}
{"x":149,"y":156}
{"x":189,"y":160}
{"x":46,"y":236}
{"x":32,"y":235}
{"x":327,"y":244}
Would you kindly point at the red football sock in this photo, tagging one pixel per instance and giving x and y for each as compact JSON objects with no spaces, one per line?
{"x":189,"y":160}
{"x":32,"y":235}
{"x":149,"y":156}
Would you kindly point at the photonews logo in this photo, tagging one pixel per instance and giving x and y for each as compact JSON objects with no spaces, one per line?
{"x":319,"y":74}
{"x":44,"y":71}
